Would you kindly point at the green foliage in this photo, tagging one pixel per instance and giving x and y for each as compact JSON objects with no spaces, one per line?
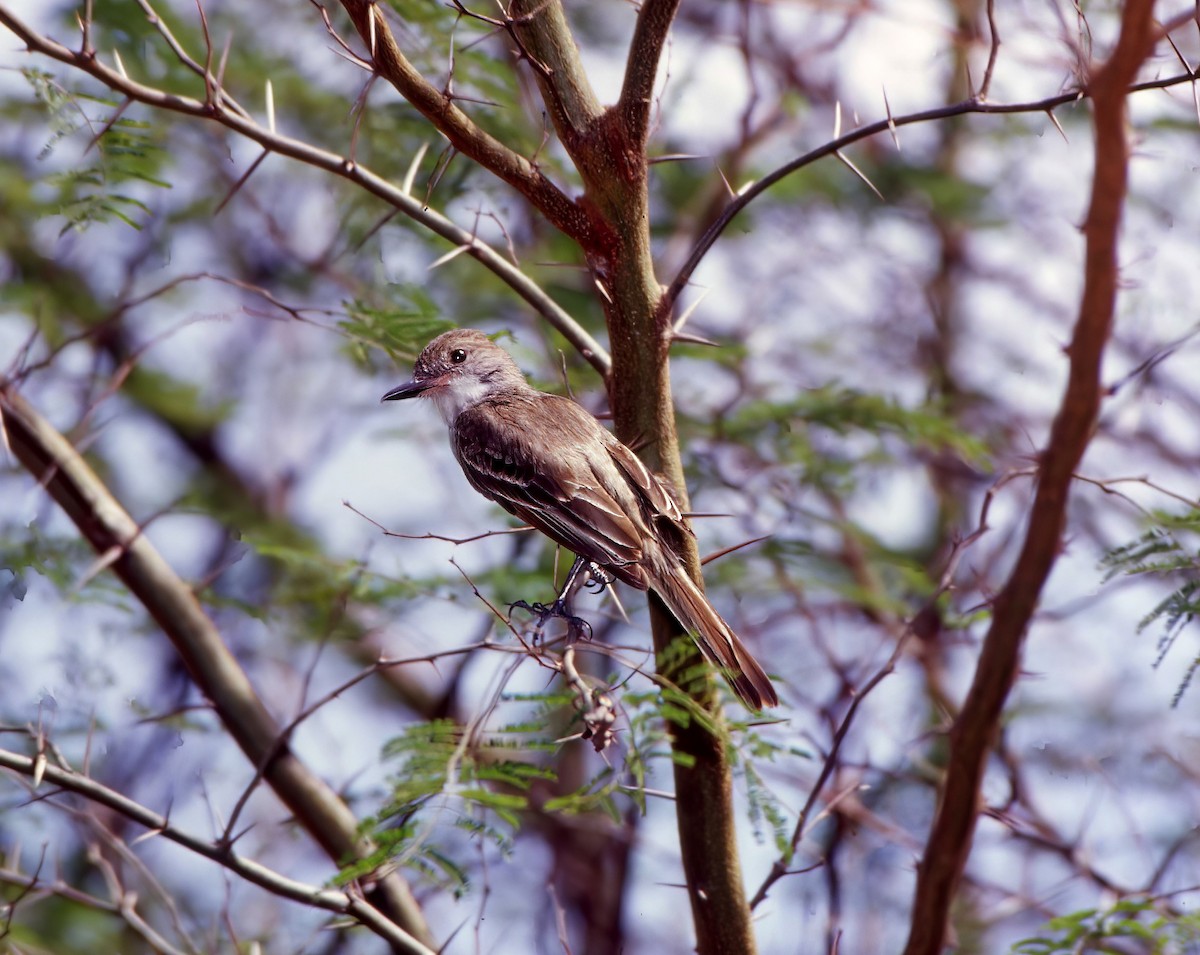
{"x":687,"y":672}
{"x":844,"y":411}
{"x":1169,"y":550}
{"x":400,"y":332}
{"x":598,"y":794}
{"x":1137,"y":919}
{"x":794,"y":431}
{"x":824,"y":448}
{"x":479,"y":780}
{"x":126,"y":152}
{"x":483,"y":81}
{"x":766,"y":811}
{"x":62,"y":561}
{"x":178,"y":403}
{"x":56,"y":297}
{"x":747,"y":748}
{"x":1163,"y":549}
{"x":55,"y":558}
{"x":453,"y":780}
{"x":59,"y":924}
{"x":318,"y":587}
{"x":951,"y":198}
{"x":896,"y":578}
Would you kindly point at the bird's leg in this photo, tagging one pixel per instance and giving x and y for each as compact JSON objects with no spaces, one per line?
{"x":599,"y":580}
{"x":578,"y":576}
{"x":581,"y":572}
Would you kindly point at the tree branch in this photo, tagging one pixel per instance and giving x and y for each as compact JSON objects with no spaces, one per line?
{"x":275,"y":883}
{"x":540,"y":27}
{"x":905,"y":631}
{"x":641,"y":68}
{"x":974,"y":732}
{"x":114,"y":535}
{"x":438,"y":107}
{"x":123,"y":907}
{"x":341,"y":166}
{"x":751,"y":192}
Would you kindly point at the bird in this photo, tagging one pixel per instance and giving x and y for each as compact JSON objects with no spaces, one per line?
{"x":547,"y":460}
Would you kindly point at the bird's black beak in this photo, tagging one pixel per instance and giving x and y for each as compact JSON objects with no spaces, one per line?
{"x":410,"y":389}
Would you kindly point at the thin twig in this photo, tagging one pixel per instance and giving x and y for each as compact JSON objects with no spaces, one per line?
{"x":747,"y":194}
{"x":975,"y":729}
{"x":436,"y":537}
{"x":468,"y":138}
{"x":641,"y":67}
{"x":236,"y":120}
{"x":102,"y":521}
{"x":274,"y":882}
{"x":993,"y":51}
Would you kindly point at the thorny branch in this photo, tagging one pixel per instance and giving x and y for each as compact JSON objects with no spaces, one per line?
{"x":232,"y":118}
{"x":341,"y":903}
{"x":287,"y":731}
{"x":946,"y":583}
{"x":974,"y":731}
{"x":747,"y":194}
{"x":464,"y":135}
{"x":106,"y":526}
{"x":993,"y":52}
{"x":122,"y":907}
{"x":435,"y":537}
{"x":641,"y":67}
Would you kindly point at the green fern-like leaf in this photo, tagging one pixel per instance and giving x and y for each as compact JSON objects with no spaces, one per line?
{"x":399,"y":332}
{"x":123,"y":155}
{"x":1092,"y":930}
{"x":1170,"y":550}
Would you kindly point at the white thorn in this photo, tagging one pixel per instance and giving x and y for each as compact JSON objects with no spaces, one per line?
{"x":452,"y":254}
{"x":891,"y":120}
{"x":728,"y":187}
{"x":411,"y":175}
{"x":1054,"y":119}
{"x":678,"y":327}
{"x":4,"y":437}
{"x":858,"y":172}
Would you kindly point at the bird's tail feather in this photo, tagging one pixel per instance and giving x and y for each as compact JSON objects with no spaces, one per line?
{"x":716,"y":639}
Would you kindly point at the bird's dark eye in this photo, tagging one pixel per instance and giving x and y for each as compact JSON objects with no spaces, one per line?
{"x":458,"y":356}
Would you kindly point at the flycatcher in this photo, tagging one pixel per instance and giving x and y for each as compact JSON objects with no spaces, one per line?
{"x":545,"y":459}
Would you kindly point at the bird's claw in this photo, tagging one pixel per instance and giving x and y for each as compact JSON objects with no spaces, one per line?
{"x":544,"y":612}
{"x":599,"y":580}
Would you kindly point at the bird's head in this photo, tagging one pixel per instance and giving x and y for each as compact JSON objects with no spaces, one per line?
{"x":459,"y":369}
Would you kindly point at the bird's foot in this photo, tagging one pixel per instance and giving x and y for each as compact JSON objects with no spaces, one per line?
{"x":576,"y":626}
{"x":599,"y":580}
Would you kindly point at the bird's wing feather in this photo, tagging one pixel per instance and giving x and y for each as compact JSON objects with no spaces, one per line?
{"x":658,"y":499}
{"x":660,"y":508}
{"x":556,"y":484}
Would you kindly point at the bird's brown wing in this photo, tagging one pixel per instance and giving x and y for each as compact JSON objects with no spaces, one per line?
{"x":546,"y":460}
{"x":659,"y":507}
{"x":549,"y":462}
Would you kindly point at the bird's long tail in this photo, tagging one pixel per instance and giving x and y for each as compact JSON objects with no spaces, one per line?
{"x":716,"y":639}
